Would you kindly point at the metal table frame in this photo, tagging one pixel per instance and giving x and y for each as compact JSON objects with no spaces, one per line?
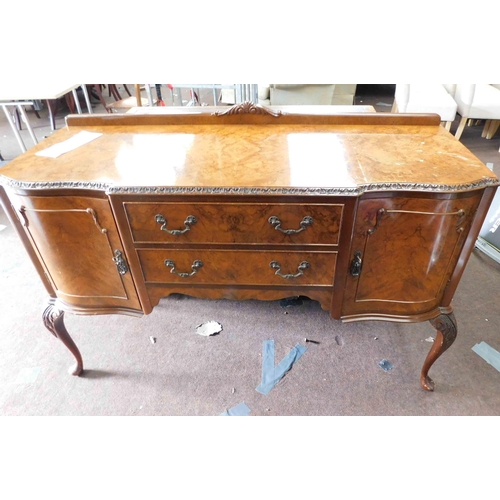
{"x":20,"y":106}
{"x":244,"y":91}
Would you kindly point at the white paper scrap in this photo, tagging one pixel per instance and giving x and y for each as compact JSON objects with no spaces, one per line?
{"x":209,"y":328}
{"x":27,"y":375}
{"x":70,"y":144}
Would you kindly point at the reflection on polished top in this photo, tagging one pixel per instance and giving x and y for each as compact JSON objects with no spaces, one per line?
{"x":291,"y":156}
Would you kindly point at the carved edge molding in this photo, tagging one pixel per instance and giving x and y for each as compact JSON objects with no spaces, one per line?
{"x":249,"y":108}
{"x":345,"y":191}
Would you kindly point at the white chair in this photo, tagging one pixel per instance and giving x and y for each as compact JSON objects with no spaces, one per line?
{"x":426,"y":98}
{"x":478,"y":101}
{"x":491,"y":126}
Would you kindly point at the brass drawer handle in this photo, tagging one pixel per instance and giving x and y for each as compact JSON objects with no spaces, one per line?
{"x":276,"y":223}
{"x":302,"y":266}
{"x":190,"y":221}
{"x":197,"y":265}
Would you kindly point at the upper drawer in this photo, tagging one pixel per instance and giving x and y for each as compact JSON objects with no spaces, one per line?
{"x":251,"y":223}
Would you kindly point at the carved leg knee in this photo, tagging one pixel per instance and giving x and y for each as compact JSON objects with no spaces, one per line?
{"x":446,"y":327}
{"x":53,"y":319}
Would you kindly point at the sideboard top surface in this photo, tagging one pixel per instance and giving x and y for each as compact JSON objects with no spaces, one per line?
{"x":315,"y":157}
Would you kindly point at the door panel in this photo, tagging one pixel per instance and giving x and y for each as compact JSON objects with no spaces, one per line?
{"x":76,"y":240}
{"x":409,"y":248}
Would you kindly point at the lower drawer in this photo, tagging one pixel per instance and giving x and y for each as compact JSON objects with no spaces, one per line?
{"x":237,"y":267}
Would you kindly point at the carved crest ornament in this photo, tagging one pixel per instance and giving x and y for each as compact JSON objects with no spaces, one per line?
{"x":249,"y":108}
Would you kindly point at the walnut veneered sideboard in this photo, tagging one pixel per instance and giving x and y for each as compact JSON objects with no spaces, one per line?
{"x":373,"y":215}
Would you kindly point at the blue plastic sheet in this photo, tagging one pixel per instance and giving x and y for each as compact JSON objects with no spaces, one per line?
{"x":271,"y":375}
{"x":490,"y":355}
{"x":386,"y":365}
{"x":241,"y":410}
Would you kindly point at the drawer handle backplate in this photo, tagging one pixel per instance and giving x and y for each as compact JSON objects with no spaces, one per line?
{"x":197,"y":265}
{"x":121,"y":265}
{"x":276,"y":223}
{"x":190,"y":221}
{"x":302,"y":266}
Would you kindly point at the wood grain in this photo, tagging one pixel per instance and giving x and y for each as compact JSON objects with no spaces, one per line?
{"x":408,"y":253}
{"x":74,"y":239}
{"x":235,"y":223}
{"x":237,"y":267}
{"x":351,"y":155}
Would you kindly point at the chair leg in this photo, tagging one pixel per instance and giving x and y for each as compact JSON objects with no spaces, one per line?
{"x":138,"y":98}
{"x":114,"y":91}
{"x":493,"y":128}
{"x":97,"y":89}
{"x":127,"y":90}
{"x":485,"y":128}
{"x":70,"y":102}
{"x":394,"y":107}
{"x":448,"y":126}
{"x":461,"y":127}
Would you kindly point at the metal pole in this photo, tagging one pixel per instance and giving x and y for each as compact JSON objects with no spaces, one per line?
{"x":28,"y":125}
{"x":87,"y":100}
{"x":14,"y":129}
{"x":77,"y":101}
{"x":150,"y":94}
{"x":255,"y":93}
{"x":238,"y":93}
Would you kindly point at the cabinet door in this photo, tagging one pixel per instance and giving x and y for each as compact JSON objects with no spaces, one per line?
{"x":77,"y":242}
{"x":403,"y":253}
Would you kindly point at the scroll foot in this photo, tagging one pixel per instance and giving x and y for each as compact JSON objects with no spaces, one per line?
{"x":53,"y":319}
{"x":446,"y":327}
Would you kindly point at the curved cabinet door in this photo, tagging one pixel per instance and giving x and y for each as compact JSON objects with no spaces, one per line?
{"x":403,"y":253}
{"x":78,"y":244}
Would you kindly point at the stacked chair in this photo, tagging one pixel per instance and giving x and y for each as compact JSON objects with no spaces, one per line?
{"x":471,"y":101}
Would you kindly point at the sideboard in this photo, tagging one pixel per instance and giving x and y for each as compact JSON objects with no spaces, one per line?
{"x":372,"y":215}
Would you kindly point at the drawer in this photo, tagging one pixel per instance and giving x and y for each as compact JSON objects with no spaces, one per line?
{"x":237,"y":267}
{"x":235,"y":223}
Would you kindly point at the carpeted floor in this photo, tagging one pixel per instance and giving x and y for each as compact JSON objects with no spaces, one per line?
{"x":186,"y":374}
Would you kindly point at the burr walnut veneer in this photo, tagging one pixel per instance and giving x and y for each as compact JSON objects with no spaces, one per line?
{"x":372,"y":215}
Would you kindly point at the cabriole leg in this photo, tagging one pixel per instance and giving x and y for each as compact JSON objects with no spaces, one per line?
{"x":53,"y":319}
{"x":446,"y":327}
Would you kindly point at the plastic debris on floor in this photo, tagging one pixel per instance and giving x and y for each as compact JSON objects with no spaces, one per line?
{"x":209,"y":328}
{"x":28,"y":375}
{"x":385,"y":365}
{"x":271,"y":375}
{"x":309,"y":341}
{"x":490,"y":355}
{"x":241,"y":410}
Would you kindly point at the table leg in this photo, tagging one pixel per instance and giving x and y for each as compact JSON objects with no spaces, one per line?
{"x":28,"y":125}
{"x":87,"y":99}
{"x":53,"y":319}
{"x":51,"y":115}
{"x":446,"y":326}
{"x":14,"y":129}
{"x":77,"y":101}
{"x":149,"y":93}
